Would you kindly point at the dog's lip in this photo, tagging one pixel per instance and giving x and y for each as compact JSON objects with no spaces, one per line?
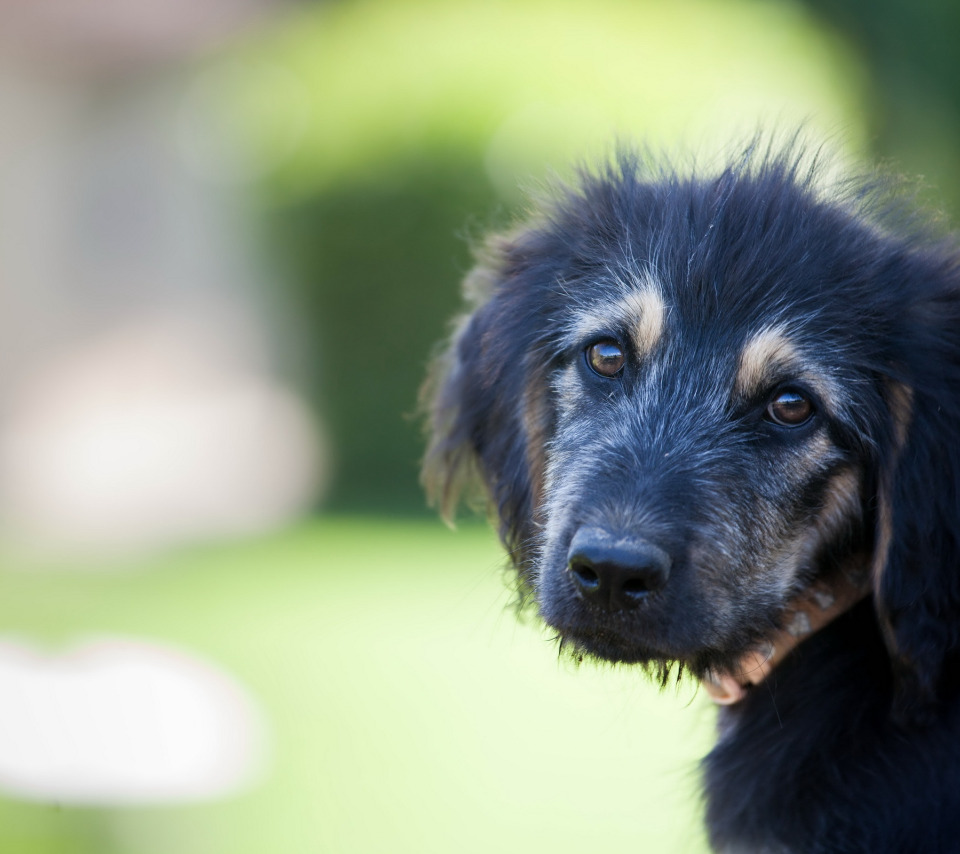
{"x":632,"y":635}
{"x":639,"y":635}
{"x":607,"y":643}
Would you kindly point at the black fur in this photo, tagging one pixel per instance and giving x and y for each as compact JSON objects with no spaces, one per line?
{"x":853,"y":744}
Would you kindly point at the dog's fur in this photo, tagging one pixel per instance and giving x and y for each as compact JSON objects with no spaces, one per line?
{"x":722,"y":292}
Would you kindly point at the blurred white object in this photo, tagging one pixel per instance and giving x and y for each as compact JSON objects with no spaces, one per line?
{"x":119,"y":721}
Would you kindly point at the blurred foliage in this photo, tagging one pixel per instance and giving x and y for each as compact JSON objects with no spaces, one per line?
{"x":914,"y":72}
{"x":375,"y":266}
{"x":419,"y":122}
{"x":399,"y":698}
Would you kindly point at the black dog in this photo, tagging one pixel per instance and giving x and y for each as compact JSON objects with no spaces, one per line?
{"x":718,"y":417}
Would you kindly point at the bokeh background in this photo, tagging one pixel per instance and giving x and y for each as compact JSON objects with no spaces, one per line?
{"x":231,"y":234}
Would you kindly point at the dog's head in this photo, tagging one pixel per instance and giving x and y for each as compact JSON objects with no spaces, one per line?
{"x":689,"y":398}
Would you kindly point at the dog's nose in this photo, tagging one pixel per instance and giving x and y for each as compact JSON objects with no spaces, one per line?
{"x":616,"y":573}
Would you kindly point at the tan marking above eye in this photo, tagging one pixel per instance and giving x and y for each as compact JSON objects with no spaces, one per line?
{"x":647,"y":317}
{"x":641,"y":312}
{"x":767,"y":350}
{"x":606,"y":357}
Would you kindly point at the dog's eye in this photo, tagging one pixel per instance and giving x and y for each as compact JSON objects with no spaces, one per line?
{"x":606,"y":357}
{"x":790,"y":408}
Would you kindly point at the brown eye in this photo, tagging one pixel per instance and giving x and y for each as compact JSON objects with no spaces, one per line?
{"x":790,"y":409}
{"x":606,"y":357}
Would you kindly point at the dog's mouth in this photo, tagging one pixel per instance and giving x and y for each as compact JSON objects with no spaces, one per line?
{"x":648,"y":639}
{"x":607,"y":645}
{"x":635,"y":627}
{"x":615,"y":597}
{"x":638,"y":633}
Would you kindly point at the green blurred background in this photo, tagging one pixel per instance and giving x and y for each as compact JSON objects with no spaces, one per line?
{"x":348,"y":155}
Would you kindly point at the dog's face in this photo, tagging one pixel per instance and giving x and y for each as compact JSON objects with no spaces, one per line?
{"x":686,"y":399}
{"x":700,"y":468}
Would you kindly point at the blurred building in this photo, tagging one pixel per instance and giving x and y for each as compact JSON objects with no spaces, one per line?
{"x":139,"y":398}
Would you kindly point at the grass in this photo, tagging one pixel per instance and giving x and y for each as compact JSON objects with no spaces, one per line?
{"x":408,"y":709}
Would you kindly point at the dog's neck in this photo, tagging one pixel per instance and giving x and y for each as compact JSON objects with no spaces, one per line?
{"x":813,"y":608}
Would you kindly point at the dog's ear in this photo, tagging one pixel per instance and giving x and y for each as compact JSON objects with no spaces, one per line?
{"x":486,"y":400}
{"x":917,"y":549}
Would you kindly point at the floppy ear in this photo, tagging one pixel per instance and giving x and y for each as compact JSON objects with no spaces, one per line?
{"x":917,"y":549}
{"x":487,"y":403}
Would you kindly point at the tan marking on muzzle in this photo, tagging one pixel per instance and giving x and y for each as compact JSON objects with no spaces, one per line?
{"x":842,"y":505}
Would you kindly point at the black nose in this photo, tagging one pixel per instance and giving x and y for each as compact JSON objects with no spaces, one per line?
{"x":616,"y":572}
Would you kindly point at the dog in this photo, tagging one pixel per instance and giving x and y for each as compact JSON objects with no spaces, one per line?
{"x":717,"y":417}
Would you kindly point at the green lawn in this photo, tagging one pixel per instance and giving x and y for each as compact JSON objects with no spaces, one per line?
{"x":408,"y":710}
